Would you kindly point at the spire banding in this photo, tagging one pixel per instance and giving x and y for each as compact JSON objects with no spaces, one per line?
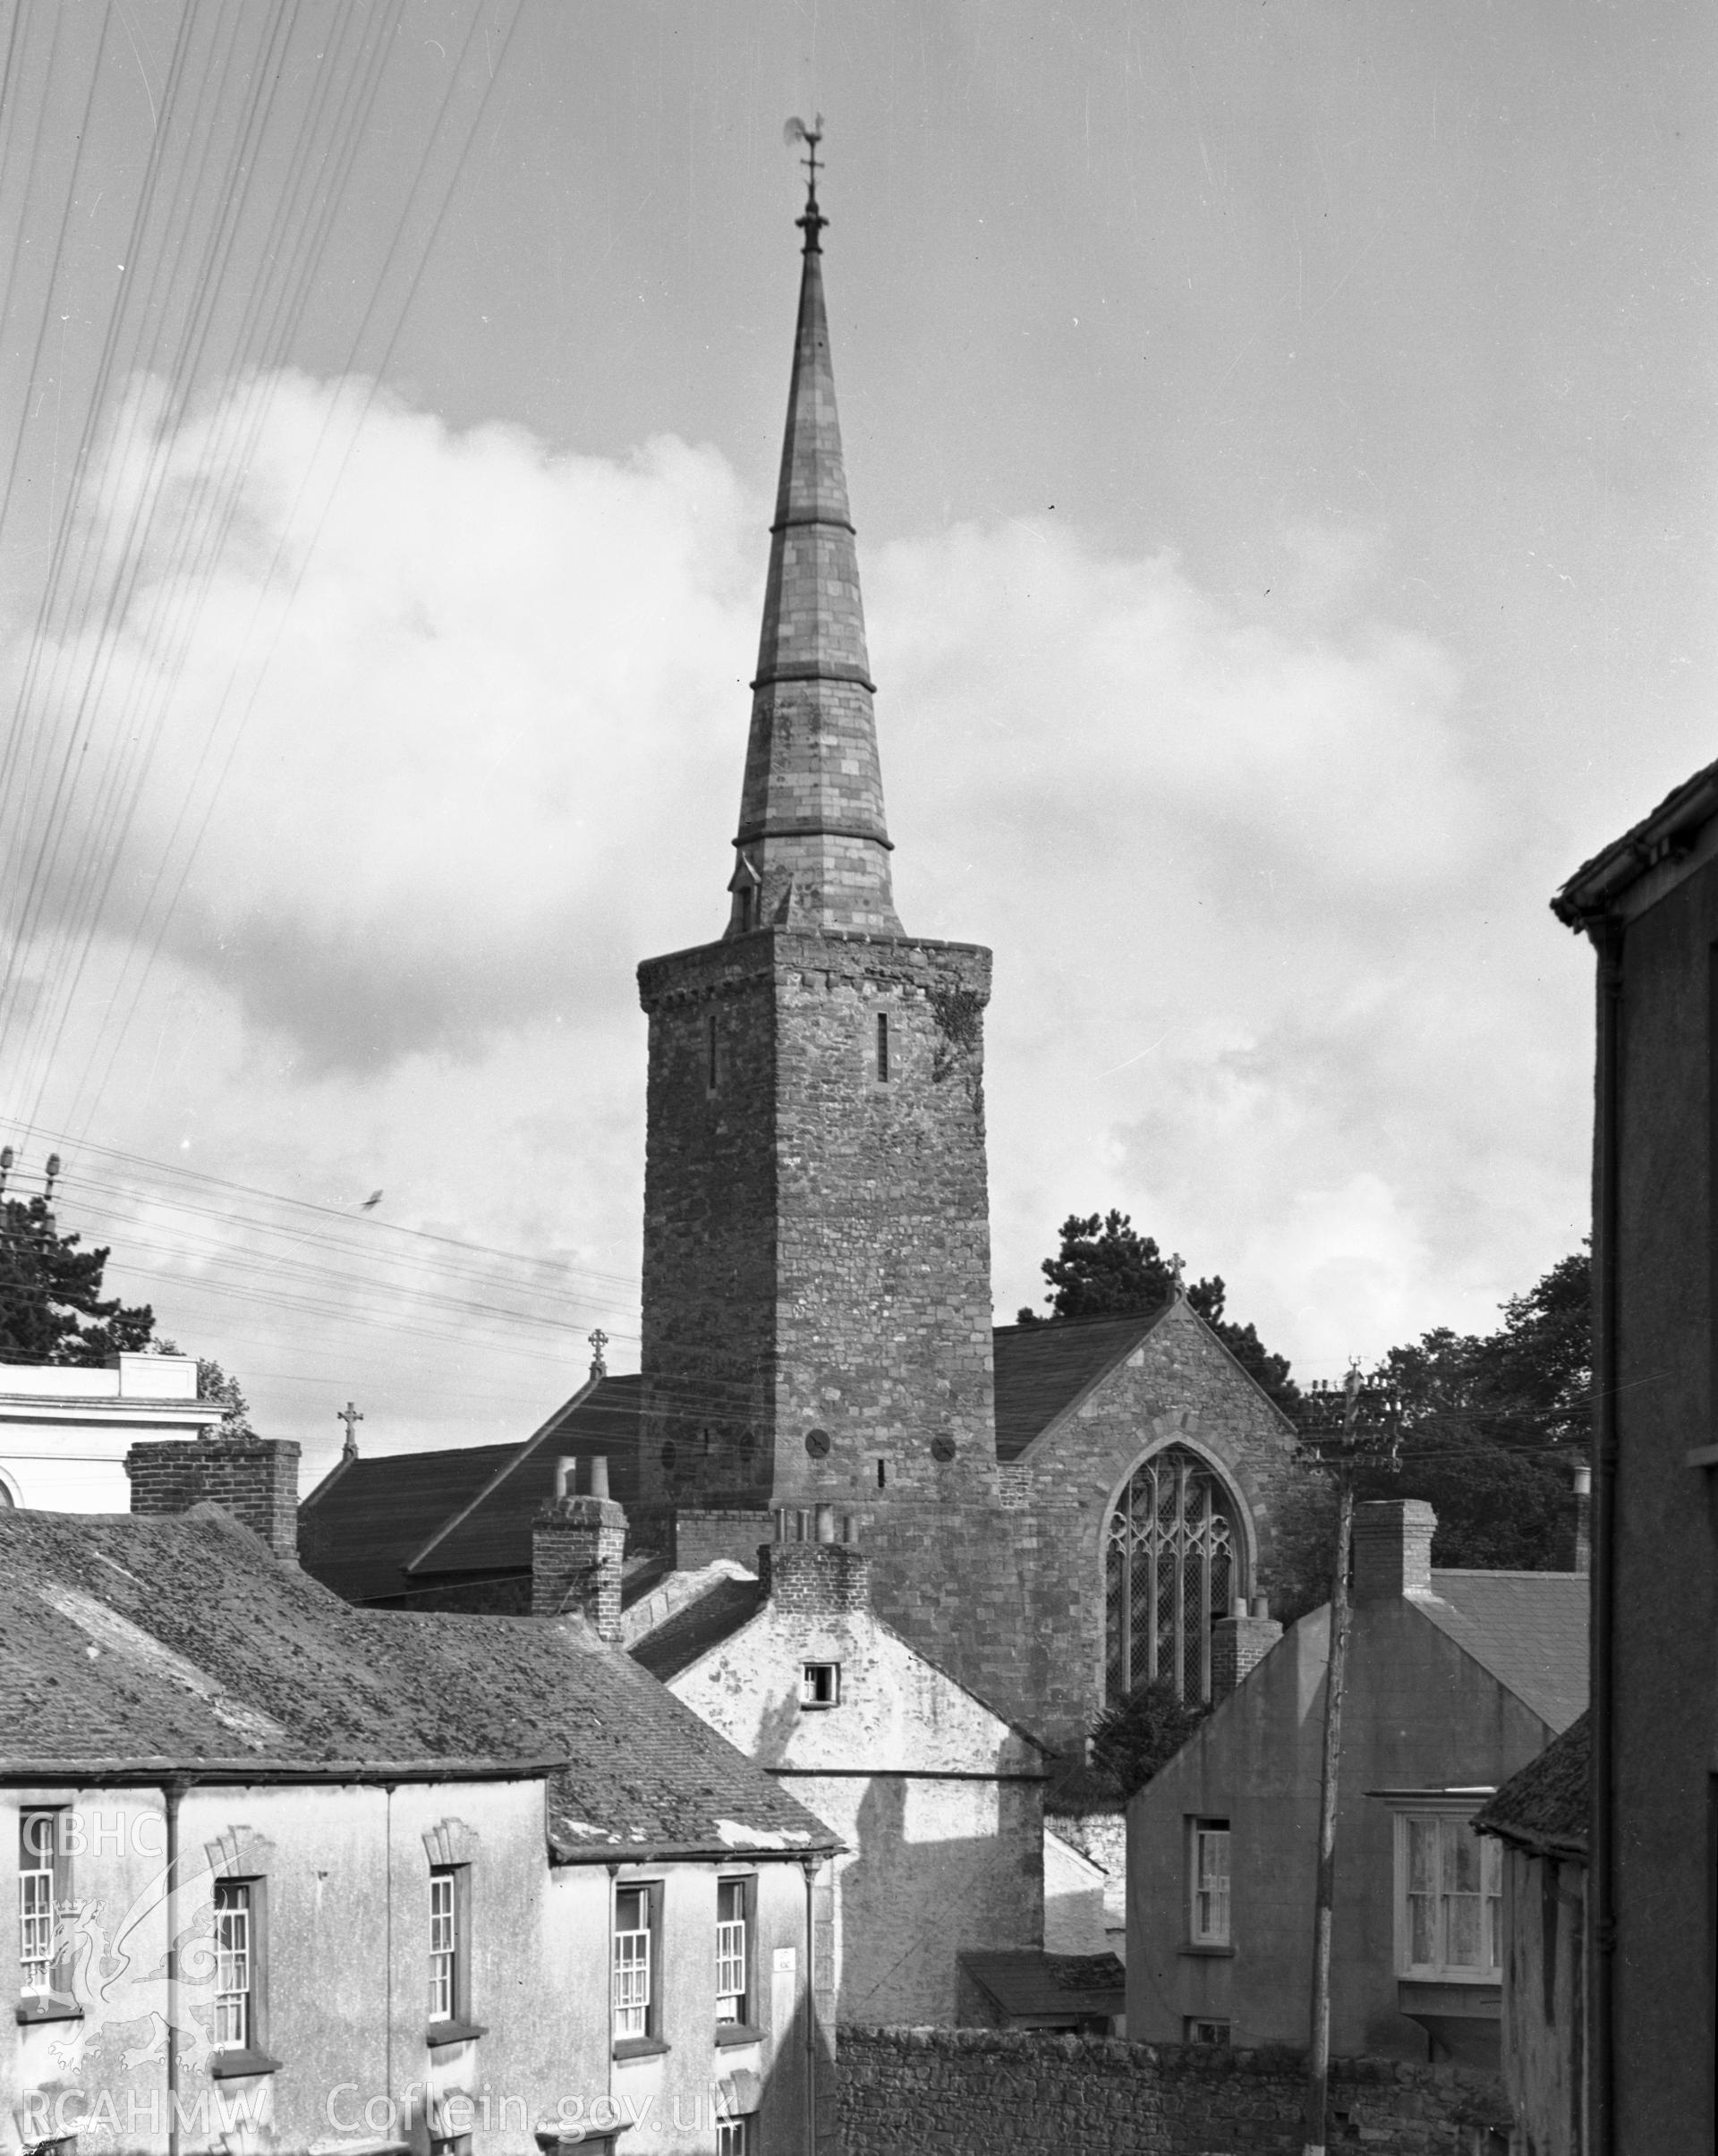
{"x":813,"y":849}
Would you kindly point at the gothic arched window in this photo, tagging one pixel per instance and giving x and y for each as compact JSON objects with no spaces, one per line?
{"x":1174,"y":1556}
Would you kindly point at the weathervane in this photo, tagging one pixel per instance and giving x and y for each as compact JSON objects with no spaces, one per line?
{"x":796,"y":131}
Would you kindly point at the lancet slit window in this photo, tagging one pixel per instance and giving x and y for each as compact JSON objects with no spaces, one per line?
{"x":1172,"y":1562}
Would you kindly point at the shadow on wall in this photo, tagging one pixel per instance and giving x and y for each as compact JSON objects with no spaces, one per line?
{"x":910,"y":1906}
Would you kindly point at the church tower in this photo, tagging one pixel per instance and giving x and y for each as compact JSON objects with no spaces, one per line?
{"x":817,"y":1289}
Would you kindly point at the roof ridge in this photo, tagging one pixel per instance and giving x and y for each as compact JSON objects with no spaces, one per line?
{"x":506,"y":1467}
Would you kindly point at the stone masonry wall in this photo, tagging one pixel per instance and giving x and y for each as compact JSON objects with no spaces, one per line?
{"x":816,"y":1231}
{"x":1004,"y":2092}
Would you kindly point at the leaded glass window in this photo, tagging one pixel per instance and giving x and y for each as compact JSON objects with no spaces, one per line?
{"x":1172,"y":1562}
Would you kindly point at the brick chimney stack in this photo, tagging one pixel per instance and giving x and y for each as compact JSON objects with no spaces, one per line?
{"x":256,"y":1479}
{"x":1392,"y":1548}
{"x":1239,"y":1643}
{"x":578,"y":1544}
{"x":807,"y":1570}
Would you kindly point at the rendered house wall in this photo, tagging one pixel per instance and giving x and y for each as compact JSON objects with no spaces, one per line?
{"x":1419,"y":1713}
{"x":1663,"y":1750}
{"x":346,"y":1943}
{"x":940,"y":1802}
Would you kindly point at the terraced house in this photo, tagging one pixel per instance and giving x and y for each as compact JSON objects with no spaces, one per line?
{"x":292,"y":1874}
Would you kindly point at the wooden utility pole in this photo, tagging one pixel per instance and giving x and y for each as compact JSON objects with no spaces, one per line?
{"x":1368,"y":1426}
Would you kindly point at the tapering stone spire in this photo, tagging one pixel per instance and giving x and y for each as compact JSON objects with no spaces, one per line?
{"x":812,"y":848}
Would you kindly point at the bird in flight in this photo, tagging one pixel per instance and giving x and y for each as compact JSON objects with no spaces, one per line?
{"x":374,"y":1199}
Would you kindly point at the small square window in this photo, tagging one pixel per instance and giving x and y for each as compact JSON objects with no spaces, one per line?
{"x":1207,"y":2031}
{"x":1208,"y":1883}
{"x":820,"y":1684}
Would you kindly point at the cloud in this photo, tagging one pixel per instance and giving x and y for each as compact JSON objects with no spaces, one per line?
{"x":1249,"y":892}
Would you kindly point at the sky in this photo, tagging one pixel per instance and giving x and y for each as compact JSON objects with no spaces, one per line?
{"x":1280,"y":441}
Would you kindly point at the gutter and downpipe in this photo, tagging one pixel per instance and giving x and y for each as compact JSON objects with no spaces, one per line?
{"x":1601,"y":1925}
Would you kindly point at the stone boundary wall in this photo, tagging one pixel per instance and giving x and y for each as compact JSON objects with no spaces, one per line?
{"x":1013,"y":2092}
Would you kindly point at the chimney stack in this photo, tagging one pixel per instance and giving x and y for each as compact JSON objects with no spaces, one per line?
{"x":814,"y":1567}
{"x":576,"y":1547}
{"x":1575,"y":1551}
{"x":1239,"y":1643}
{"x":1392,"y":1548}
{"x":256,"y":1479}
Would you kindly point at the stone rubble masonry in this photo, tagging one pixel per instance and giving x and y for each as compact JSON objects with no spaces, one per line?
{"x":816,"y":1234}
{"x":1392,"y":1548}
{"x":1238,"y":1644}
{"x":815,"y":1579}
{"x":1016,"y":2092}
{"x":576,"y":1547}
{"x":256,"y":1479}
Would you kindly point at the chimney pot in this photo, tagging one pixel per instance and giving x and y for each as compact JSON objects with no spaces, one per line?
{"x":566,"y":1477}
{"x":825,"y":1523}
{"x":599,"y":1474}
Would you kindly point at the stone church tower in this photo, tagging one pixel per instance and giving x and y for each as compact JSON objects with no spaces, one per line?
{"x":817,"y":1279}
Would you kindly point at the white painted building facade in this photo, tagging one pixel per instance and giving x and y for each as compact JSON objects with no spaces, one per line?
{"x":65,"y":1427}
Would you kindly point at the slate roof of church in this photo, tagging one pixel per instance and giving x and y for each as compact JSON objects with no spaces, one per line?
{"x":1528,"y":1628}
{"x":183,"y":1643}
{"x":362,"y":1524}
{"x":1544,"y":1808}
{"x":377,"y":1527}
{"x":1041,"y":1370}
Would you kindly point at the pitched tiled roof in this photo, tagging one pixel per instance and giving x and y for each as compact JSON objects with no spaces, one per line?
{"x":1041,"y":1370}
{"x":1528,"y":1628}
{"x":1544,"y":1808}
{"x":494,"y":1535}
{"x":1026,"y":1982}
{"x":183,"y":1642}
{"x":359,"y":1529}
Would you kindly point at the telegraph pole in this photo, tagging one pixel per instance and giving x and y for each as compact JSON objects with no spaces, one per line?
{"x":1361,"y":1422}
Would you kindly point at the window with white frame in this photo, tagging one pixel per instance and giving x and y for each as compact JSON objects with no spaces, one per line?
{"x":733,"y":1949}
{"x":38,"y":1859}
{"x":633,"y":1985}
{"x":1449,"y":1901}
{"x":1199,"y":2030}
{"x":443,"y":1943}
{"x":1208,"y":1883}
{"x":734,"y":2137}
{"x":235,"y":1966}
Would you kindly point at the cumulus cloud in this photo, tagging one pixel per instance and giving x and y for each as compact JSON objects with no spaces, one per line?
{"x":1233,"y":860}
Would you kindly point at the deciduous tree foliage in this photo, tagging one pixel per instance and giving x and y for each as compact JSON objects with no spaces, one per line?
{"x":52,"y":1309}
{"x":1106,"y":1267}
{"x":1129,"y":1742}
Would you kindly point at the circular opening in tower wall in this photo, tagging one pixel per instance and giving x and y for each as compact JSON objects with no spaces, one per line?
{"x":943,"y":1447}
{"x":817,"y":1443}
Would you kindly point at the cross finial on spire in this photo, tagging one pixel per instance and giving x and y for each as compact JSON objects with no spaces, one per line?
{"x":1177,"y":1282}
{"x":350,"y":1416}
{"x":599,"y":1341}
{"x":813,"y":220}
